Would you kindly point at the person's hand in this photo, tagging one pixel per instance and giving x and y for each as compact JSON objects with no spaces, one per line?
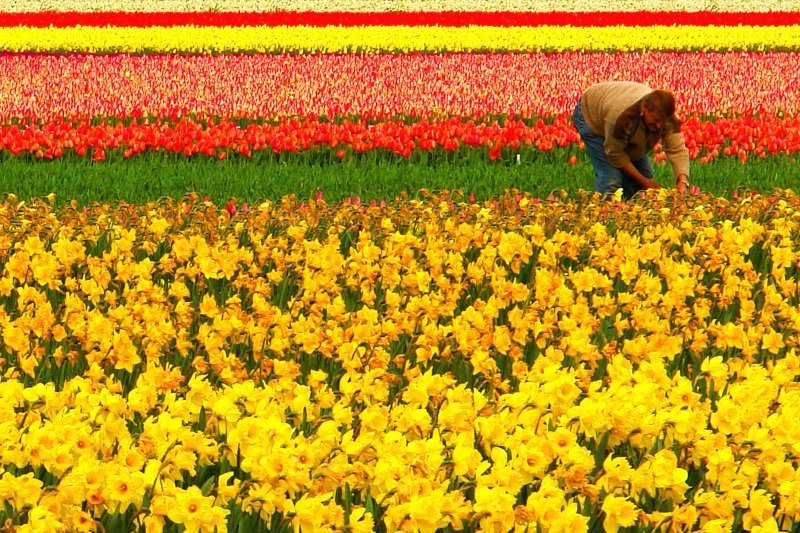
{"x":681,"y":183}
{"x":650,"y":184}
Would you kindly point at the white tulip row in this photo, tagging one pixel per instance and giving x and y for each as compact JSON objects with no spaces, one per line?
{"x":22,"y":6}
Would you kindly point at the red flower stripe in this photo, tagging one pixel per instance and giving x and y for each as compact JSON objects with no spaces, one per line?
{"x":508,"y":19}
{"x":740,"y":137}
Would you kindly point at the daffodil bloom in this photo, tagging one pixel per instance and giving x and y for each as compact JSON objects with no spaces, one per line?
{"x":194,"y":511}
{"x":619,"y":512}
{"x":20,"y":491}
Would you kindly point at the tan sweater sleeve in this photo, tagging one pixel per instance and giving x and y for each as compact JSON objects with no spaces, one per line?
{"x":677,"y":153}
{"x":615,"y":148}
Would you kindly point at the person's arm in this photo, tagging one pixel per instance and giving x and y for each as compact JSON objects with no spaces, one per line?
{"x":618,"y":157}
{"x":630,"y":170}
{"x":678,"y":155}
{"x":682,"y":183}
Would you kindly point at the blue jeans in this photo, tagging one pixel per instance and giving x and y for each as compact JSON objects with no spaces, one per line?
{"x":608,"y":178}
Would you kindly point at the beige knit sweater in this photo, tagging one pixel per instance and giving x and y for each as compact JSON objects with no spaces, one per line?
{"x":602,"y":103}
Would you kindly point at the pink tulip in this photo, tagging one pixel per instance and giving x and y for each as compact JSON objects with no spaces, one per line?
{"x":164,"y":85}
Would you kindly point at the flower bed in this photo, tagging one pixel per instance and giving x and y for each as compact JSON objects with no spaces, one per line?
{"x":259,"y":6}
{"x":375,"y":87}
{"x":424,"y":363}
{"x":400,"y":39}
{"x":706,"y":140}
{"x":428,"y":364}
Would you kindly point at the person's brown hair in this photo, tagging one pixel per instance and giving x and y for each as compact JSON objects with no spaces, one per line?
{"x":662,"y":102}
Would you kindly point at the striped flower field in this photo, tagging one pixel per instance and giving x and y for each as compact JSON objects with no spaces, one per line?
{"x":434,"y":361}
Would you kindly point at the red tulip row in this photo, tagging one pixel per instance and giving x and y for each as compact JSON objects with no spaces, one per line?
{"x":706,"y":140}
{"x":47,"y":87}
{"x":217,"y":139}
{"x":454,"y":19}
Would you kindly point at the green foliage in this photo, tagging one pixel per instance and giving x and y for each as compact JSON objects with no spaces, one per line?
{"x":371,"y":176}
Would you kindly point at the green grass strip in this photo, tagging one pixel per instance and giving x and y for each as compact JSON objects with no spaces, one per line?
{"x":154,"y":176}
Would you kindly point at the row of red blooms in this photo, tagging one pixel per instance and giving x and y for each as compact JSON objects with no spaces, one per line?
{"x":706,"y":139}
{"x":405,"y":18}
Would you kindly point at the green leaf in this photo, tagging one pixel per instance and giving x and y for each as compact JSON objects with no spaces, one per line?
{"x":600,"y":451}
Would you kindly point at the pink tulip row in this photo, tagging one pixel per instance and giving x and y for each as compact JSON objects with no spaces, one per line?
{"x":44,"y":87}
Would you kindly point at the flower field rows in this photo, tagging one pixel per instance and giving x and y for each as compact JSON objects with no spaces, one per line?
{"x":466,"y":86}
{"x":530,"y":362}
{"x":538,"y":26}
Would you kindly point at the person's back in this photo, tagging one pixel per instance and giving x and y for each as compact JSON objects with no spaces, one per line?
{"x":606,"y":101}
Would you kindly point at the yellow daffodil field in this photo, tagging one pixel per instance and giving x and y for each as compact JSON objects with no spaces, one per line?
{"x":525,"y":365}
{"x":381,"y":349}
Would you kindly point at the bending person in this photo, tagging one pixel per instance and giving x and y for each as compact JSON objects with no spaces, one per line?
{"x":620,"y":123}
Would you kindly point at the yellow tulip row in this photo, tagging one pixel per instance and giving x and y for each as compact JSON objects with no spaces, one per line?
{"x":396,"y":5}
{"x":397,"y":39}
{"x":426,"y":365}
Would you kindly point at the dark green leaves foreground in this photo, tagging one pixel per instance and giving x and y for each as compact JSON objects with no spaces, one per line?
{"x":154,"y":176}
